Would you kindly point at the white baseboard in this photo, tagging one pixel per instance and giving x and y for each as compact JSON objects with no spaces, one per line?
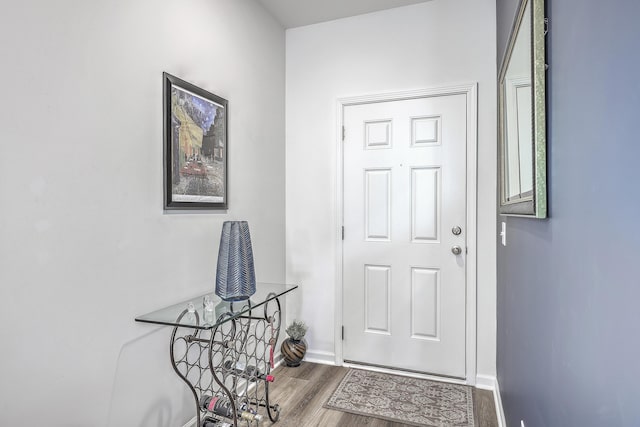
{"x":489,"y":382}
{"x":277,"y":360}
{"x":497,"y":397}
{"x":322,"y":357}
{"x":486,"y":382}
{"x":191,"y":422}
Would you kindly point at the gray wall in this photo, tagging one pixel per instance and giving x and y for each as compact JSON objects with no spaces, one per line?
{"x":568,"y":287}
{"x":84,"y":243}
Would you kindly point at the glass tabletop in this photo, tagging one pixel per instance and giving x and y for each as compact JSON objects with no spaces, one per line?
{"x":191,"y":313}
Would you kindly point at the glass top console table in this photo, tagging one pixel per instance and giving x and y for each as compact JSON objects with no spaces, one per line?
{"x":224,"y":352}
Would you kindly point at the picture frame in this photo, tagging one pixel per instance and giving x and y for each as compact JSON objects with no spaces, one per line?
{"x":195,"y":147}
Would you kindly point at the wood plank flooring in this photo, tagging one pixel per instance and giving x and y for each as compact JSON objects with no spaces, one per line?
{"x":302,"y":391}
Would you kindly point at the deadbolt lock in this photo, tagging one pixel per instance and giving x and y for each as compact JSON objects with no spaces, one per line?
{"x":456,"y":230}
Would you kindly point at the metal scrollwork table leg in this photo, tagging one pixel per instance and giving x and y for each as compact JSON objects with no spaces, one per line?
{"x":232,"y":360}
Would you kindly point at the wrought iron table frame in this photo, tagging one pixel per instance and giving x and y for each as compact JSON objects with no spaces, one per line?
{"x":230,"y":356}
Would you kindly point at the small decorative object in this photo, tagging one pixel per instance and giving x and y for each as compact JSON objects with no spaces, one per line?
{"x":235,"y":276}
{"x":191,"y":311}
{"x":207,"y":305}
{"x":294,"y":348}
{"x":191,"y":308}
{"x":195,"y":147}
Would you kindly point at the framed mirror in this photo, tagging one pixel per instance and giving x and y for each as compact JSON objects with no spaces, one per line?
{"x":522,"y":116}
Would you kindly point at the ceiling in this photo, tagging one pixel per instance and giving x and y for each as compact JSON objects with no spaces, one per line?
{"x":296,"y":13}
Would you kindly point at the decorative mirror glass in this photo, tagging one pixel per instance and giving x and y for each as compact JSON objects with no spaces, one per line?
{"x":521,"y":116}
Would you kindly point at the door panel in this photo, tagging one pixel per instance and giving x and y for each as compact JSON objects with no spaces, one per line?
{"x":425,"y":303}
{"x":377,"y":282}
{"x":377,"y":213}
{"x":425,"y":204}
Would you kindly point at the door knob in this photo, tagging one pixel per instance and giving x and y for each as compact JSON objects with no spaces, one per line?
{"x":456,"y":250}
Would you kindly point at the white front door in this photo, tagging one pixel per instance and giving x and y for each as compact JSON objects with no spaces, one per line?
{"x":404,"y":195}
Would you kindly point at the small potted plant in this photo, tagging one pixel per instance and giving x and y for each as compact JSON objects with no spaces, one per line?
{"x":294,"y":348}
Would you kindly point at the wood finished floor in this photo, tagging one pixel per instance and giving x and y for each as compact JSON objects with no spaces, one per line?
{"x":302,"y":391}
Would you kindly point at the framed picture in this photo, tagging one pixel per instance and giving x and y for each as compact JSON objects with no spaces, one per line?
{"x":195,"y":147}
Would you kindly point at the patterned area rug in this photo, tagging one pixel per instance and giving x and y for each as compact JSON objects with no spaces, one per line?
{"x":406,"y":400}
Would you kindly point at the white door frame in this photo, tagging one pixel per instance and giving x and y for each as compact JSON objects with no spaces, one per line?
{"x":470,"y":91}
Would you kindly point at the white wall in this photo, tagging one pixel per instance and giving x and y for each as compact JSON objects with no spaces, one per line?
{"x":84,"y":243}
{"x":427,"y":45}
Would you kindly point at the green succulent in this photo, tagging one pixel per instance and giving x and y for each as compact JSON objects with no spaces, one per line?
{"x":296,"y":330}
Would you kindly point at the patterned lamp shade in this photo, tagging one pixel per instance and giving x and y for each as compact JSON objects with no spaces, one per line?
{"x":235,"y":277}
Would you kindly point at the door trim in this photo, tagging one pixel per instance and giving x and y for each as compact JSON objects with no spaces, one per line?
{"x":470,"y":90}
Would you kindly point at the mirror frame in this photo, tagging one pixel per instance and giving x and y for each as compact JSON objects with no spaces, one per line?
{"x":534,"y":206}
